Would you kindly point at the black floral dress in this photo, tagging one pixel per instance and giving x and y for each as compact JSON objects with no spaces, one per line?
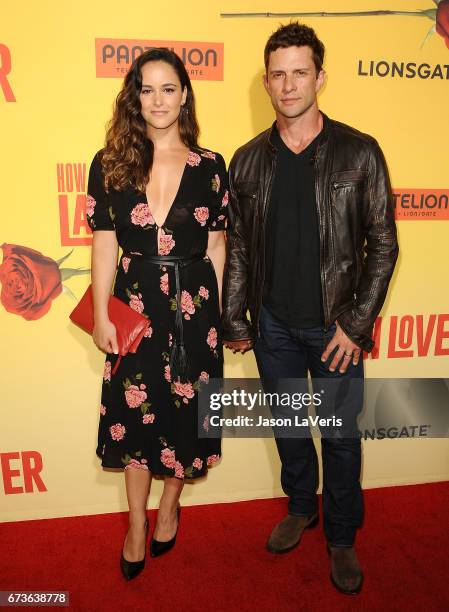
{"x":148,"y":421}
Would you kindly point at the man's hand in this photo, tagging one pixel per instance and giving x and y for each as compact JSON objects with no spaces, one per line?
{"x":238,"y":346}
{"x":347,"y":350}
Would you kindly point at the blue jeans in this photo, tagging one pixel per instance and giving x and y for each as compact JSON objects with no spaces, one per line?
{"x":291,"y":353}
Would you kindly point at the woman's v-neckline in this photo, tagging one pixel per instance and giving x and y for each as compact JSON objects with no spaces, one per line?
{"x":174,"y":199}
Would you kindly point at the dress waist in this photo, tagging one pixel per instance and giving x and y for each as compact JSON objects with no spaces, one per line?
{"x":179,"y":363}
{"x":167,"y":260}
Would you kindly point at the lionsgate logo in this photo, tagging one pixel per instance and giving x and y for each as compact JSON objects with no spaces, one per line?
{"x":203,"y":60}
{"x":402,"y":70}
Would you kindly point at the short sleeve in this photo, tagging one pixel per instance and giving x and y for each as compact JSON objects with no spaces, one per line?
{"x":218,"y":209}
{"x":97,"y":208}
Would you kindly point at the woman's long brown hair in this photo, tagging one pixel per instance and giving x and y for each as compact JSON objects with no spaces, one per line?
{"x":128,"y":154}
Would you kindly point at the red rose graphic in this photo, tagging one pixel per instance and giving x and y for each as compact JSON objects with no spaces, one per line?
{"x":443,"y":20}
{"x":30,"y":281}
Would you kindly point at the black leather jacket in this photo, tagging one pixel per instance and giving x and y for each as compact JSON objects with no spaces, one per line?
{"x":358,"y":244}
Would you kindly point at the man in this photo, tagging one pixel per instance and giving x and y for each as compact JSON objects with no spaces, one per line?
{"x":311,"y":250}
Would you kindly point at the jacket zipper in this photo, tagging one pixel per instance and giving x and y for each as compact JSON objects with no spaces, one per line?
{"x":265,"y":213}
{"x":320,"y":227}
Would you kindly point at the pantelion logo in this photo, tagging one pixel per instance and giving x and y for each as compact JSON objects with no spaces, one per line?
{"x":203,"y":60}
{"x":423,"y":204}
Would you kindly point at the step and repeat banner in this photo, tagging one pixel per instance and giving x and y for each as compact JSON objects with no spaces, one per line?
{"x":61,"y":66}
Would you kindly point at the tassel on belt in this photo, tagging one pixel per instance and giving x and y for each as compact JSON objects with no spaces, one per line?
{"x":179,"y":365}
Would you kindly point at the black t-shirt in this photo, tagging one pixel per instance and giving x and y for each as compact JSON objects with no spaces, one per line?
{"x":292,"y":289}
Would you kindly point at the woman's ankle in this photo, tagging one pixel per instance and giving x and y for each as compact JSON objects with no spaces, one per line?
{"x":137,"y":519}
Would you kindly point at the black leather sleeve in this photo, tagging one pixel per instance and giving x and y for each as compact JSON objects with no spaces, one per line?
{"x":381,"y":253}
{"x":235,"y":323}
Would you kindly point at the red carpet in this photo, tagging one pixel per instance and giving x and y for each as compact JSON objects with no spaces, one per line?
{"x":219,"y":562}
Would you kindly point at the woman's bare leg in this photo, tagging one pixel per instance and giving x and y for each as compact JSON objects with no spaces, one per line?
{"x":167,"y":520}
{"x":137,"y":490}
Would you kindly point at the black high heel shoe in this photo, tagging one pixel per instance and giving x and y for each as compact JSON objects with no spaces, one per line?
{"x":131,"y":569}
{"x":159,"y":548}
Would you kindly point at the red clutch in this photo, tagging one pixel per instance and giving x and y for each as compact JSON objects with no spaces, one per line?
{"x":129,"y":324}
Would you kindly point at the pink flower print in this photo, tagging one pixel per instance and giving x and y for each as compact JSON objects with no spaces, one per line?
{"x":212,"y":459}
{"x":136,"y":303}
{"x":203,"y":292}
{"x":187,"y":304}
{"x":208,"y":154}
{"x":197,"y":463}
{"x":117,"y":431}
{"x":179,"y":470}
{"x":102,"y":409}
{"x":193,"y":159}
{"x":206,"y":423}
{"x":166,"y":243}
{"x":107,"y":371}
{"x":164,"y":283}
{"x":90,"y":205}
{"x":167,"y":374}
{"x":141,"y":215}
{"x":204,"y":376}
{"x":184,"y":389}
{"x":125,"y":263}
{"x":216,"y":183}
{"x":225,"y":199}
{"x":168,"y":458}
{"x":135,"y":396}
{"x":212,"y":337}
{"x":170,"y":339}
{"x":148,"y":332}
{"x":220,"y":218}
{"x":148,"y":418}
{"x":187,"y":317}
{"x":201,"y":214}
{"x":134,"y":464}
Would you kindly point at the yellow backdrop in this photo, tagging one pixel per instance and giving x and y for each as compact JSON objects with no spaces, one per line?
{"x":60,"y":69}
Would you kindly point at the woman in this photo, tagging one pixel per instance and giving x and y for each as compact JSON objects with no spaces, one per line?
{"x":162,"y":199}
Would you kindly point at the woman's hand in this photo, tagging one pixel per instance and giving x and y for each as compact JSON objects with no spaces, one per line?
{"x":104,"y":264}
{"x":105,"y":336}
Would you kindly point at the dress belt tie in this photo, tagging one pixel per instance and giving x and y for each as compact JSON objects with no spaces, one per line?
{"x":179,"y":365}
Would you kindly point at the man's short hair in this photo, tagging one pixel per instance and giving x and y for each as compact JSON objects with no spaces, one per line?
{"x":295,"y":34}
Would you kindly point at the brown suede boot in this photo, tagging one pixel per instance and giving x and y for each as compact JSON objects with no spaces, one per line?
{"x":287,"y":534}
{"x":346,"y":574}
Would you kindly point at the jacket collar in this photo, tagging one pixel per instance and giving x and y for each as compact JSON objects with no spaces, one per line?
{"x":327,"y":125}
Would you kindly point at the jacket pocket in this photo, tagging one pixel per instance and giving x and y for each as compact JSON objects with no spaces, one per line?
{"x":247,"y":189}
{"x":348,"y":178}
